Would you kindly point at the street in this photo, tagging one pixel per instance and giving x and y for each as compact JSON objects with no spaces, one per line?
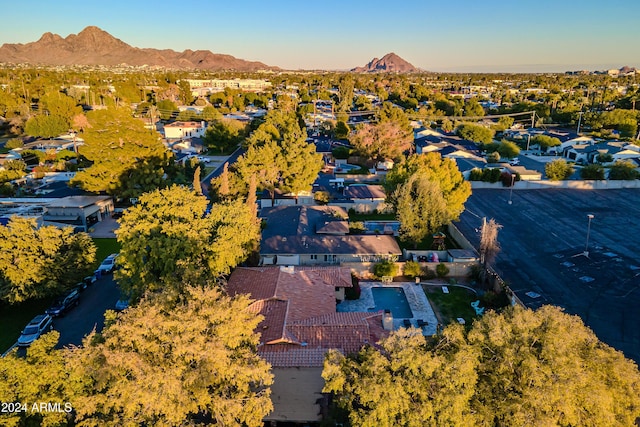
{"x":89,"y":314}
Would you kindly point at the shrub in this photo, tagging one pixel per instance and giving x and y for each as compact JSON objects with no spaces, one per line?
{"x":428,"y":274}
{"x":14,"y":143}
{"x":385,"y":268}
{"x":341,"y":153}
{"x":592,"y":172}
{"x":493,"y":157}
{"x":558,"y":170}
{"x":412,"y":269}
{"x":442,"y":270}
{"x":623,"y":170}
{"x":321,"y":197}
{"x":356,"y":227}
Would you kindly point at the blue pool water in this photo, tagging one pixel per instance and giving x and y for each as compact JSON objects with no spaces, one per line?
{"x":392,"y":299}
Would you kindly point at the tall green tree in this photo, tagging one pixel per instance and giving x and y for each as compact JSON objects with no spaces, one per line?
{"x":40,"y":376}
{"x":420,"y":207}
{"x":168,"y":240}
{"x":36,"y":262}
{"x":46,"y":126}
{"x":405,"y":382}
{"x":475,"y":133}
{"x":225,"y":134}
{"x":519,"y":367}
{"x":192,"y":364}
{"x":279,"y":156}
{"x":444,"y":171}
{"x":127,"y":158}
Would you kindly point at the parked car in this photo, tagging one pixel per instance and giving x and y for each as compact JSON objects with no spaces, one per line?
{"x":63,"y":304}
{"x":108,"y":264}
{"x":203,"y":159}
{"x":38,"y":326}
{"x":122,"y":304}
{"x":514,"y":162}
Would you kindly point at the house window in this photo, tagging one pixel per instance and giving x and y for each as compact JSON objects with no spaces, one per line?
{"x":313,"y":256}
{"x":326,"y":258}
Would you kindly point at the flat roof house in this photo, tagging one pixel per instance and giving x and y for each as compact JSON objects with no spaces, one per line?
{"x":80,"y":212}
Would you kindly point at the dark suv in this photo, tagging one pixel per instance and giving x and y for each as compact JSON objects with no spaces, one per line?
{"x":61,"y":305}
{"x":38,"y":326}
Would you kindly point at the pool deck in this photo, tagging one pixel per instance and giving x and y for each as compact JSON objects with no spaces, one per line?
{"x":415,"y":296}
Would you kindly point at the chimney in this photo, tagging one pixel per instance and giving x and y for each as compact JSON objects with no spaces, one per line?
{"x":387,"y":320}
{"x":287,"y":269}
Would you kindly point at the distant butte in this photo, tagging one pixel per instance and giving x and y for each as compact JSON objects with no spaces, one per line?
{"x":94,"y":46}
{"x":388,"y":63}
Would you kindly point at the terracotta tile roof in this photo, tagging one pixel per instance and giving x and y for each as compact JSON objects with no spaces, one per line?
{"x":299,"y":356}
{"x":300,"y":322}
{"x":271,"y":328}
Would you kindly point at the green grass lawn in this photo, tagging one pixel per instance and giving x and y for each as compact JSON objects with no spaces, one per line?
{"x":457,"y":303}
{"x":106,"y":247}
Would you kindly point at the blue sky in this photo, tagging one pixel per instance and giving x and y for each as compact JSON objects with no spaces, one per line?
{"x":463,"y":35}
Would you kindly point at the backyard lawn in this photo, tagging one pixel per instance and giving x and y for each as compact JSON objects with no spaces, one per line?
{"x":448,"y":307}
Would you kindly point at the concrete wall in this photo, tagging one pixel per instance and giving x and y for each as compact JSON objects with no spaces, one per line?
{"x":456,"y":235}
{"x":365,"y":269}
{"x":570,"y":184}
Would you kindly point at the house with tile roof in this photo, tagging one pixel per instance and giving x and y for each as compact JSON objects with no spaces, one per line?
{"x":317,"y":235}
{"x":300,"y":324}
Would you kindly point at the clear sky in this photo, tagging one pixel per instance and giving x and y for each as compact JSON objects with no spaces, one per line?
{"x":462,"y":35}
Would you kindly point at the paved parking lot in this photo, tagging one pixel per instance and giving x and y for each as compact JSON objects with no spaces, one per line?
{"x":544,"y":234}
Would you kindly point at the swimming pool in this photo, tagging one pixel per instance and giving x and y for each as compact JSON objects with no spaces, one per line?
{"x":394,"y":299}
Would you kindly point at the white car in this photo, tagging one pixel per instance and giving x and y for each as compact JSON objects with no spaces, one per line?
{"x":514,"y":162}
{"x":203,"y":159}
{"x":108,"y":264}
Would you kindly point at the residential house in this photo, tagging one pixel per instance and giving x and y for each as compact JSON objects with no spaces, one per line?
{"x":299,"y":327}
{"x":184,"y":130}
{"x":363,"y":198}
{"x":588,"y":153}
{"x":80,"y":212}
{"x":317,"y":235}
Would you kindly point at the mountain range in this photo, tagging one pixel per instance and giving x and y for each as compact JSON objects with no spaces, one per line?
{"x":94,"y":46}
{"x":388,"y":63}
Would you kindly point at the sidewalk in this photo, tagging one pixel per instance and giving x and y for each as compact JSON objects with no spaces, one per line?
{"x":104,"y":228}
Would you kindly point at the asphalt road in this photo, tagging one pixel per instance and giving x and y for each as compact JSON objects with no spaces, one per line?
{"x":204,"y":182}
{"x":89,"y":314}
{"x":545,"y":231}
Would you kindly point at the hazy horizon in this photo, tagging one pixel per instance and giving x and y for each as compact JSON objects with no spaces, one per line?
{"x":495,"y":36}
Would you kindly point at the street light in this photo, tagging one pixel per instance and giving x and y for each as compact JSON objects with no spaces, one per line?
{"x":513,"y":180}
{"x":586,"y":247}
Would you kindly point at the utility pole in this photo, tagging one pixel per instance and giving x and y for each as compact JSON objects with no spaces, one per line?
{"x":533,"y":119}
{"x":579,"y":121}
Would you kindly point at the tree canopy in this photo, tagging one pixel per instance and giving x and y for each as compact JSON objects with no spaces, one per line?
{"x":167,"y":238}
{"x":455,"y":190}
{"x":36,"y":262}
{"x":224,"y":134}
{"x":420,"y":208}
{"x":558,"y":170}
{"x":520,"y":367}
{"x":384,"y":140}
{"x":195,"y":363}
{"x":475,"y":133}
{"x":127,"y":159}
{"x":279,"y":155}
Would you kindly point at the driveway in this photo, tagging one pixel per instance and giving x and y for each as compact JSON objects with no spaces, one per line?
{"x":543,"y":237}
